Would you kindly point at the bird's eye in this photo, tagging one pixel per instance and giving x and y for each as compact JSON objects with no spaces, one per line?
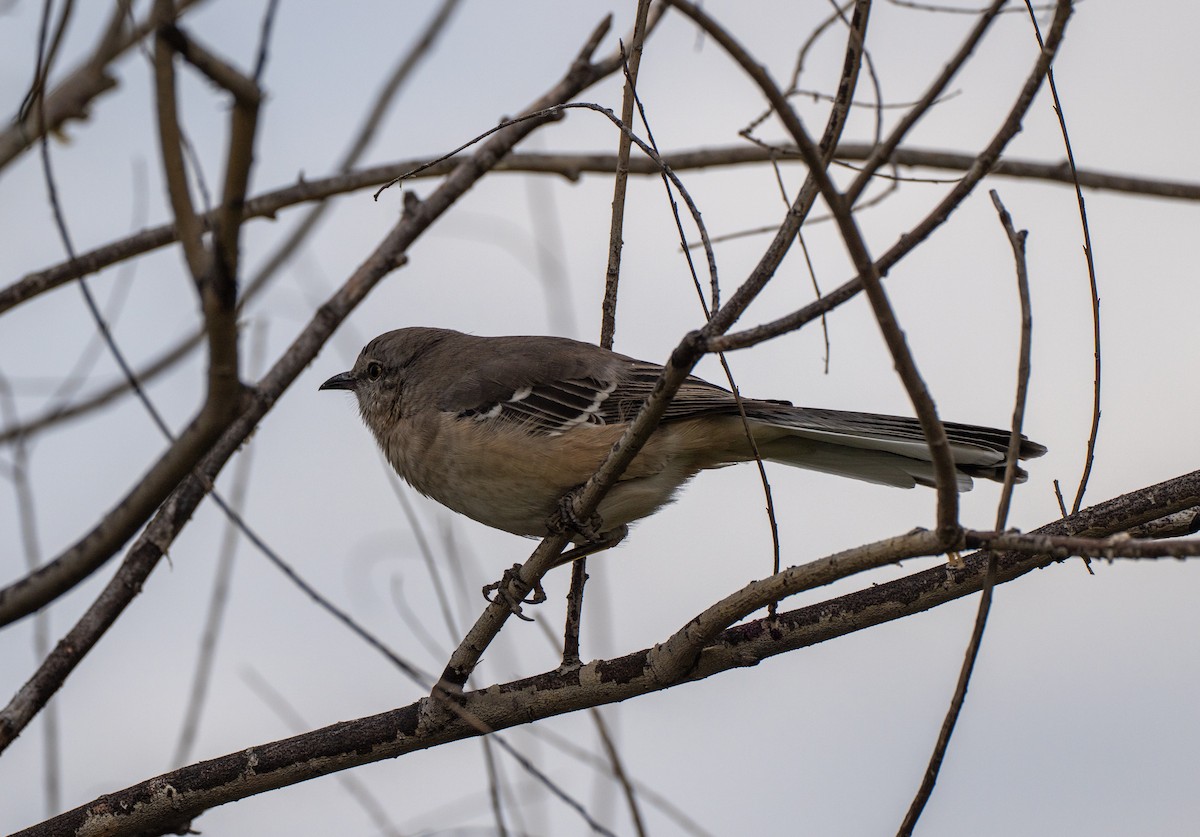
{"x":374,"y":371}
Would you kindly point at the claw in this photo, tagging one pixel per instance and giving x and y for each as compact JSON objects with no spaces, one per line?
{"x":512,"y":578}
{"x":566,"y":520}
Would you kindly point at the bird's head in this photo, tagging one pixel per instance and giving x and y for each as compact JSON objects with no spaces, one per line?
{"x":379,"y":375}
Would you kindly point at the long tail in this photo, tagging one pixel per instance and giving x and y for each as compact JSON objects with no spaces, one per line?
{"x":890,"y":450}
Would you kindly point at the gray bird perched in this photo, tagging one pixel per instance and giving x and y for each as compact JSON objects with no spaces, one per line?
{"x":502,"y":428}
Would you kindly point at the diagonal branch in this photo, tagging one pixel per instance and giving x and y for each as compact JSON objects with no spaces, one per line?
{"x":174,"y":514}
{"x":923,"y":404}
{"x":980,"y":166}
{"x":215,"y":276}
{"x":516,"y":585}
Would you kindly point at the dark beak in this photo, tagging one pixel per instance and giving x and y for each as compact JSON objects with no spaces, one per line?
{"x":343,"y":380}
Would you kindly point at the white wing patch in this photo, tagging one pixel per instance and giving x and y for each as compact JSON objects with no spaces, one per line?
{"x":591,"y":413}
{"x":551,"y":409}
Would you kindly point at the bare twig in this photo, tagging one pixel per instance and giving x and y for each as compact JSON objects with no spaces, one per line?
{"x":608,"y":306}
{"x":1024,"y":364}
{"x":219,"y":598}
{"x":489,"y":760}
{"x":618,"y":771}
{"x":572,"y":166}
{"x":1017,"y":241}
{"x":685,"y":823}
{"x":31,"y":546}
{"x":980,"y":166}
{"x":1091,"y":266}
{"x":612,"y":274}
{"x":814,"y":157}
{"x":46,"y":55}
{"x":883,"y":151}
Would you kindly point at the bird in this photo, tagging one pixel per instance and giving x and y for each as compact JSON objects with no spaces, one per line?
{"x":502,"y":429}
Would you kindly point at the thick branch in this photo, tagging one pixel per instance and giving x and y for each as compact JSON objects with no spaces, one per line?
{"x":175,"y":798}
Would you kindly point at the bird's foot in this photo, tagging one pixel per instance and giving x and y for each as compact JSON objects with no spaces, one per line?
{"x":566,"y":519}
{"x":524,"y":594}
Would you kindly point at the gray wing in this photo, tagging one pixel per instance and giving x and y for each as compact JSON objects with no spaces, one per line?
{"x":550,"y":385}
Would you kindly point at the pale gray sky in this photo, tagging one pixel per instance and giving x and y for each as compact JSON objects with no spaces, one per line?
{"x":1081,"y":718}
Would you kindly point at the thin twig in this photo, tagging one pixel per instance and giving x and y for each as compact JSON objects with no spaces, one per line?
{"x":613,"y":764}
{"x":883,"y":151}
{"x":942,"y":462}
{"x":489,"y":761}
{"x":981,"y":164}
{"x":618,"y":771}
{"x":219,"y":598}
{"x":1090,"y":456}
{"x":31,"y":546}
{"x":45,"y":56}
{"x":573,"y":166}
{"x":1024,"y":363}
{"x":608,"y":306}
{"x":676,"y":814}
{"x":612,"y":274}
{"x":932,"y":770}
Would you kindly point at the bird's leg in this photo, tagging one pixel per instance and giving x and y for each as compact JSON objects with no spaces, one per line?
{"x":603,"y":541}
{"x":512,"y":577}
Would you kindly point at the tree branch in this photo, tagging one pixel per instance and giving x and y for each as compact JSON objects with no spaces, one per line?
{"x":174,"y":514}
{"x":573,"y":166}
{"x":161,"y":804}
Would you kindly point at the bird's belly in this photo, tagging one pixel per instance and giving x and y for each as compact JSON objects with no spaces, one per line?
{"x":506,"y":479}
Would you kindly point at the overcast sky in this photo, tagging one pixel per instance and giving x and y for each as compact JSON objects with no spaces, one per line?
{"x":1081,"y":717}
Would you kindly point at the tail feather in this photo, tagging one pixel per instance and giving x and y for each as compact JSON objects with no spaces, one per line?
{"x":890,"y":450}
